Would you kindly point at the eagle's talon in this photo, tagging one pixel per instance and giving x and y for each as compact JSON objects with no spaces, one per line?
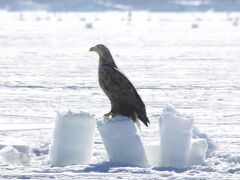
{"x":108,"y":114}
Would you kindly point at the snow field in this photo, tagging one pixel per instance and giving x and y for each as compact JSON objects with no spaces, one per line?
{"x":46,"y":64}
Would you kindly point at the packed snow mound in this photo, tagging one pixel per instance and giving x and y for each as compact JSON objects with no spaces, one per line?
{"x":10,"y":155}
{"x":72,"y":141}
{"x":122,"y":143}
{"x":177,"y":148}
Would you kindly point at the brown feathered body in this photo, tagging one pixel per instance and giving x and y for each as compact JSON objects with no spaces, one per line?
{"x":122,"y":94}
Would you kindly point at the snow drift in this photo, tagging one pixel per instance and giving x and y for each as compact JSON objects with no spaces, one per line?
{"x":72,"y":141}
{"x":122,"y":143}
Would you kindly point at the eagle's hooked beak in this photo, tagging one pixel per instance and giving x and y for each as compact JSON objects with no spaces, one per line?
{"x":91,"y":49}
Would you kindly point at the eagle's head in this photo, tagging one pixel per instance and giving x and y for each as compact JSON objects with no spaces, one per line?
{"x":105,"y":56}
{"x":101,"y":50}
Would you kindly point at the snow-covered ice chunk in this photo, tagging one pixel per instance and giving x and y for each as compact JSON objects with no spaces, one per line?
{"x":175,"y":135}
{"x":122,"y":143}
{"x":10,"y":155}
{"x":15,"y":143}
{"x":72,"y":141}
{"x":153,"y":153}
{"x":198,"y":152}
{"x":211,"y":145}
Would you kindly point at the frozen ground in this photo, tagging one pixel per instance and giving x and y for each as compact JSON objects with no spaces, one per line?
{"x":190,"y":60}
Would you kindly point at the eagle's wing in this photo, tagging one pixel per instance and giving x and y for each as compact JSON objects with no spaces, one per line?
{"x":118,"y":88}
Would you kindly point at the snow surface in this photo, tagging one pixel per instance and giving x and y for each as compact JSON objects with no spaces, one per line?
{"x":46,"y":67}
{"x":72,"y":141}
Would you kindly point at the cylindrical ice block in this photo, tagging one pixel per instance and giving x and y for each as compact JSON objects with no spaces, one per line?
{"x":72,"y":141}
{"x":175,"y":135}
{"x":122,"y":143}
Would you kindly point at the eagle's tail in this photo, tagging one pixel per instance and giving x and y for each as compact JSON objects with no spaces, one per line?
{"x":144,"y":118}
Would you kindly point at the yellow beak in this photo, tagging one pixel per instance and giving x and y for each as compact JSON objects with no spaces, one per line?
{"x":91,"y":49}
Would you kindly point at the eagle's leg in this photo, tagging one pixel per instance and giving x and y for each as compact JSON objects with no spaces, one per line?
{"x":108,"y":114}
{"x":135,"y":119}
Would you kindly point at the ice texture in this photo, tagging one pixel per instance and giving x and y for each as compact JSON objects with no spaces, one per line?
{"x":175,"y":135}
{"x":122,"y":143}
{"x":72,"y":141}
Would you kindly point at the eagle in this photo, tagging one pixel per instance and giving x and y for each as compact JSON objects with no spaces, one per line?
{"x":122,"y":94}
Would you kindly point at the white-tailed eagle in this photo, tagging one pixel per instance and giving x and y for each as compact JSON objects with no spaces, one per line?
{"x":122,"y":94}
